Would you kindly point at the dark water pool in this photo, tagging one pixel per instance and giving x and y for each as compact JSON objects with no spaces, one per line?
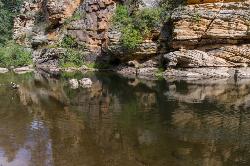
{"x":123,"y":122}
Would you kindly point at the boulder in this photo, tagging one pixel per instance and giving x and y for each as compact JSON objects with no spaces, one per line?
{"x":194,"y":58}
{"x":3,"y":70}
{"x":23,"y":70}
{"x":73,"y":83}
{"x":48,"y":56}
{"x":85,"y":83}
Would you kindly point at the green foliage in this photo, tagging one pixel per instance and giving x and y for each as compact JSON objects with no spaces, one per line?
{"x":121,"y":16}
{"x":197,"y":17}
{"x":98,"y":65}
{"x":78,"y":15}
{"x":131,"y":37}
{"x":159,"y":73}
{"x":168,"y":6}
{"x":8,"y":10}
{"x":72,"y":58}
{"x":137,"y":26}
{"x":147,"y":19}
{"x":68,"y":42}
{"x":14,"y":55}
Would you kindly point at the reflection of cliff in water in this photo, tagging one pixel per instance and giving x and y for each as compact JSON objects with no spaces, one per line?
{"x":123,"y":121}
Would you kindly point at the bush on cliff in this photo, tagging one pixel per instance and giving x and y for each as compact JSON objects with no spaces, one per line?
{"x":14,"y":55}
{"x":73,"y":56}
{"x":135,"y":27}
{"x":8,"y":10}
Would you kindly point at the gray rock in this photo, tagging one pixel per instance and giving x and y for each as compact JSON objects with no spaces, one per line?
{"x":3,"y":70}
{"x":23,"y":70}
{"x":147,"y":73}
{"x":73,"y":83}
{"x":125,"y":70}
{"x":194,"y":58}
{"x":201,"y":73}
{"x":85,"y":83}
{"x":48,"y":56}
{"x":39,"y":40}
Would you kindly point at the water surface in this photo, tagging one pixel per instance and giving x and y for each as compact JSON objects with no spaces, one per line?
{"x":123,"y":122}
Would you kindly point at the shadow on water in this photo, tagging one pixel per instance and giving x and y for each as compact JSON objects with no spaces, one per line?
{"x":123,"y":121}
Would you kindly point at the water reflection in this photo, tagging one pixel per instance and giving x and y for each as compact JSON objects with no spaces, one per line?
{"x":125,"y":122}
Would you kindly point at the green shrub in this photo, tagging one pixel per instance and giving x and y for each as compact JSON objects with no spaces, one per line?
{"x":147,"y":19}
{"x":159,"y":73}
{"x":137,"y":26}
{"x":72,"y":58}
{"x":197,"y":17}
{"x":14,"y":55}
{"x":131,"y":37}
{"x":121,"y":16}
{"x":78,"y":15}
{"x":68,"y":42}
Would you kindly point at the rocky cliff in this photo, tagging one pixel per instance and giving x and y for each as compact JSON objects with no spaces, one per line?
{"x":210,"y":35}
{"x":200,"y":35}
{"x":43,"y":24}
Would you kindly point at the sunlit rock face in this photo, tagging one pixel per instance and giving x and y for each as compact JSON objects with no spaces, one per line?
{"x":92,"y":28}
{"x":209,"y":1}
{"x":210,"y":35}
{"x":59,"y":10}
{"x":41,"y":24}
{"x":31,"y":25}
{"x":25,"y":21}
{"x":211,"y":24}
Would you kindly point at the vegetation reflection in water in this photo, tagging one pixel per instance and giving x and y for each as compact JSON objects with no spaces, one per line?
{"x":125,"y":122}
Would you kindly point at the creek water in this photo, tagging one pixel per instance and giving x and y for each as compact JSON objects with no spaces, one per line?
{"x":123,"y":121}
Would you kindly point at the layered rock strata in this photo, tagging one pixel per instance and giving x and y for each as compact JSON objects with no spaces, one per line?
{"x":212,"y":39}
{"x":208,"y":39}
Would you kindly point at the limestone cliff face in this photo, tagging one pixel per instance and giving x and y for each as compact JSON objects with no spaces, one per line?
{"x":211,"y":35}
{"x":92,"y":29}
{"x":209,"y":1}
{"x":44,"y":23}
{"x":210,"y":24}
{"x":204,"y":34}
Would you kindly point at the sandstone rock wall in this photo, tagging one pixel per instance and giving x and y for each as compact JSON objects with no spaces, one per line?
{"x":204,"y":35}
{"x":211,"y":38}
{"x":25,"y":21}
{"x":37,"y":16}
{"x":211,"y":23}
{"x":92,"y":29}
{"x":209,"y":1}
{"x":43,"y":23}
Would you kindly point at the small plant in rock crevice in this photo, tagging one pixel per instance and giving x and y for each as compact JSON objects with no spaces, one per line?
{"x":159,"y":73}
{"x":196,"y":17}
